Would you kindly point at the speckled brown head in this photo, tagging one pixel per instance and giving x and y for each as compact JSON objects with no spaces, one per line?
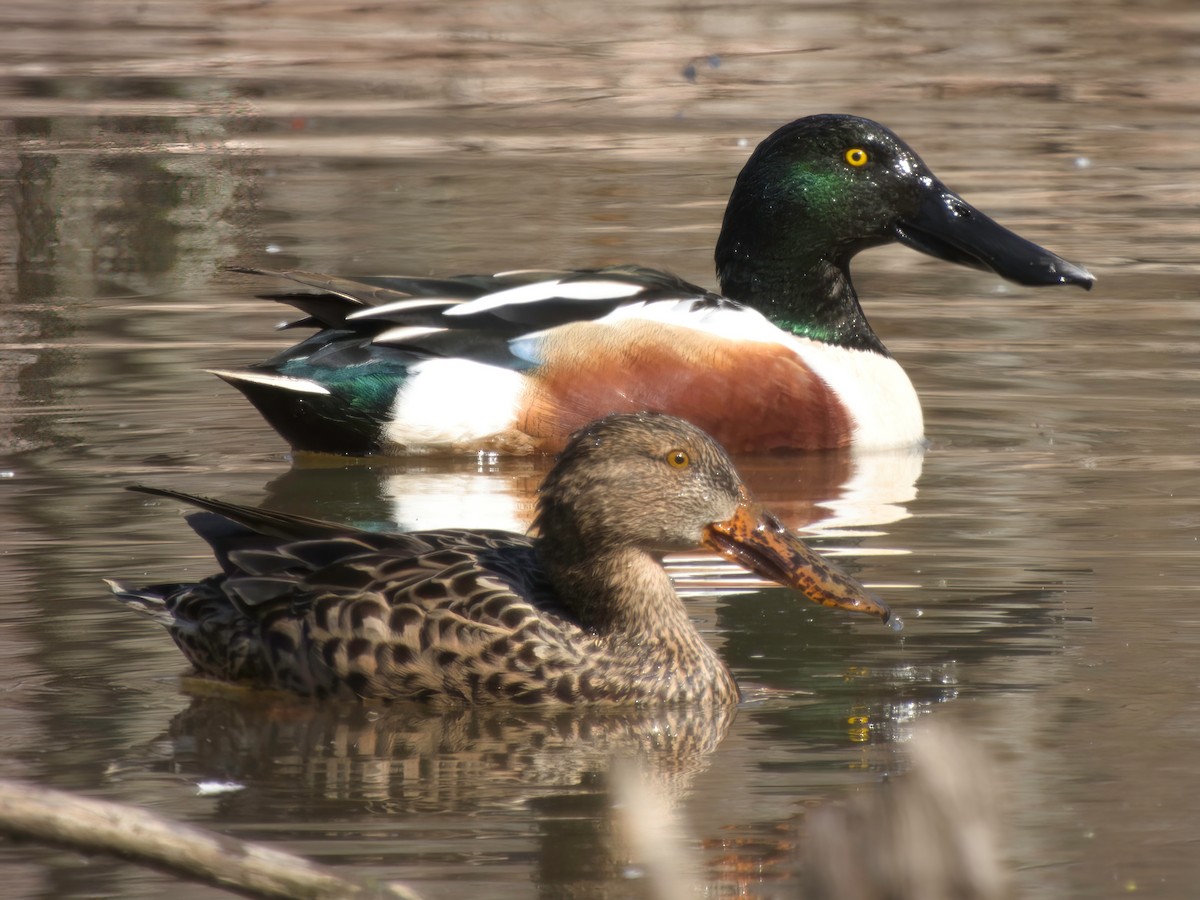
{"x":658,"y":484}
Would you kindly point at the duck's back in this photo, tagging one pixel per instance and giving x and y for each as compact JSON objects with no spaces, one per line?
{"x":444,"y":616}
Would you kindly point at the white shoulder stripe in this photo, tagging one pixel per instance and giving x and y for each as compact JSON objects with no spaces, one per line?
{"x":401,"y":306}
{"x":547,"y":290}
{"x":284,"y":382}
{"x":403,"y":333}
{"x":597,"y":290}
{"x":508,"y":273}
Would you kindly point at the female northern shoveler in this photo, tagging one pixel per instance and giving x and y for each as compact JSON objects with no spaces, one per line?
{"x":519,"y":360}
{"x":583,"y":613}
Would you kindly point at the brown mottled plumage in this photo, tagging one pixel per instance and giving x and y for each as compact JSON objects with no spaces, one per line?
{"x":583,"y":613}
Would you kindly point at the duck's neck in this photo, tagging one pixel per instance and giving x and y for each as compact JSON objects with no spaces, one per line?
{"x":627,"y":600}
{"x":623,"y":591}
{"x":803,"y":289}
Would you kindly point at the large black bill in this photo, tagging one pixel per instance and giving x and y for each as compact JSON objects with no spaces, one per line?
{"x":948,"y":227}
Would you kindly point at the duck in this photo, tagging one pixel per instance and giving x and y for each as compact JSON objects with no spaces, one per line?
{"x":783,"y":358}
{"x":580,"y":613}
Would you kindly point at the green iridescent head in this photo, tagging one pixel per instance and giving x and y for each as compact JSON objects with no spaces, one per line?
{"x":821,"y":189}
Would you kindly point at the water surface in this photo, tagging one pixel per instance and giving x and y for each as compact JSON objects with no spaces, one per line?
{"x":1043,"y":550}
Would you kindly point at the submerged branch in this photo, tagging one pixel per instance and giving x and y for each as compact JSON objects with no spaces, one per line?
{"x":54,"y":817}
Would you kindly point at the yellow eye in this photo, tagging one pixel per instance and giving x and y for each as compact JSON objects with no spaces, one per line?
{"x":678,"y":459}
{"x":856,"y":156}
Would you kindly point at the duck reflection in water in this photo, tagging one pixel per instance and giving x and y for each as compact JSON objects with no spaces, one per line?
{"x":608,"y":787}
{"x":410,"y":758}
{"x":836,"y":491}
{"x":403,"y":779}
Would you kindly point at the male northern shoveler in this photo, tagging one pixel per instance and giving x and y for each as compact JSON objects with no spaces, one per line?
{"x":583,"y":613}
{"x":517,"y":361}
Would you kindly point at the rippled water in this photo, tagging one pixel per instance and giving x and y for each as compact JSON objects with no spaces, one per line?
{"x":1044,"y":550}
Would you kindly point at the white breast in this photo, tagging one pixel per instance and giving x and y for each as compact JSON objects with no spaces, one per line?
{"x":874,"y":388}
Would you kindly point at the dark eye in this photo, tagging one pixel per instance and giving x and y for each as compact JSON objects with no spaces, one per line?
{"x":856,"y":156}
{"x":678,"y":459}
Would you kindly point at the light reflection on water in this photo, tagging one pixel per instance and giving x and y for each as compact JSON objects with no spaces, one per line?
{"x":1042,"y":551}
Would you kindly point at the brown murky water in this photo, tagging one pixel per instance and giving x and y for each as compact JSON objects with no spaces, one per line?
{"x":1045,"y":550}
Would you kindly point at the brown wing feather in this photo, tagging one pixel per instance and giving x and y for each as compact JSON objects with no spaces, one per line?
{"x":442,"y":626}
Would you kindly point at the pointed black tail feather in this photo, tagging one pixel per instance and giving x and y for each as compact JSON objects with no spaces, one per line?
{"x":327,"y":309}
{"x":281,"y":525}
{"x":149,"y":600}
{"x":311,"y":422}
